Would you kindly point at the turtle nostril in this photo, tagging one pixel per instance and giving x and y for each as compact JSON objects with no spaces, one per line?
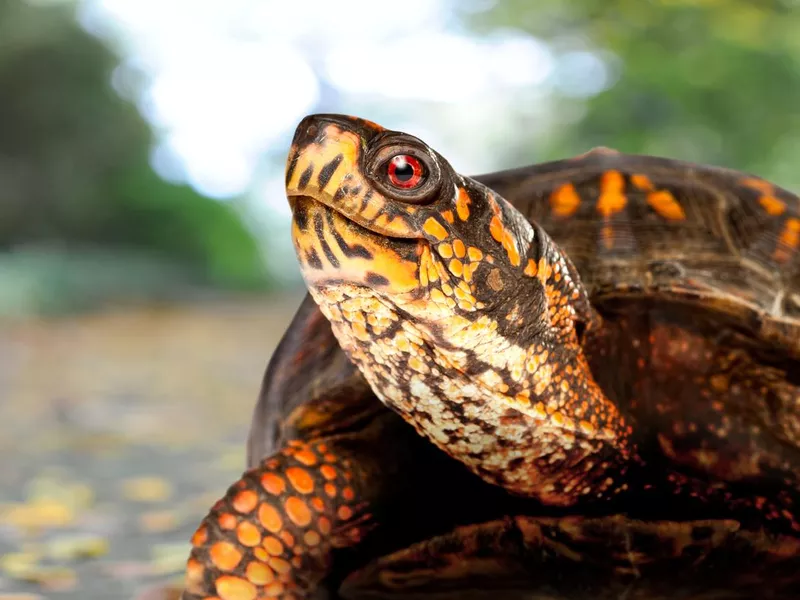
{"x":312,"y":131}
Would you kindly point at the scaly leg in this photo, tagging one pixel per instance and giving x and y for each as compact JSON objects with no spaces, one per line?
{"x":272,"y":534}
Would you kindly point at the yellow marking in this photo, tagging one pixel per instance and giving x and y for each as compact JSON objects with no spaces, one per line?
{"x":433,"y":228}
{"x":474,"y":254}
{"x":462,"y":204}
{"x":456,"y":267}
{"x":564,"y":200}
{"x":445,"y":250}
{"x":437,"y":295}
{"x":612,"y":199}
{"x":447,"y":289}
{"x":448,"y":216}
{"x":665,"y":204}
{"x":371,"y":210}
{"x":755,"y":183}
{"x":643,"y":182}
{"x":459,"y":248}
{"x":530,"y":268}
{"x":774,"y":206}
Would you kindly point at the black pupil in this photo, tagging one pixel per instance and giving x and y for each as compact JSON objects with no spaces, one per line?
{"x":403,"y":170}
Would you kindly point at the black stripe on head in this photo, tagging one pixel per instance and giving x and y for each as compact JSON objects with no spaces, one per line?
{"x":354,"y":251}
{"x":375,"y":279}
{"x":305,"y":178}
{"x":291,"y":167}
{"x":328,"y":170}
{"x":326,"y":249}
{"x":312,"y":259}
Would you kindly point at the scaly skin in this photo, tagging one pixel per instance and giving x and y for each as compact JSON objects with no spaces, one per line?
{"x":271,"y":536}
{"x":463,"y":317}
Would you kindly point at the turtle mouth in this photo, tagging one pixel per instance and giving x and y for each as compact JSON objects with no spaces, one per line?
{"x":334,"y":248}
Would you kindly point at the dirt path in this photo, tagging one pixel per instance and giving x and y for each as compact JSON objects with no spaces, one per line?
{"x":118,"y":431}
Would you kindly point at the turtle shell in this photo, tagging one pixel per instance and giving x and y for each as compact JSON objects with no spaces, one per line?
{"x":646,"y":226}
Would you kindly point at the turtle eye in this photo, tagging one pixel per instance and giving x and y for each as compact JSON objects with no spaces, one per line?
{"x":405,"y":171}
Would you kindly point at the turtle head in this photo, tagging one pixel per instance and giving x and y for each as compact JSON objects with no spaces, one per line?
{"x":463,"y":316}
{"x":380,"y":209}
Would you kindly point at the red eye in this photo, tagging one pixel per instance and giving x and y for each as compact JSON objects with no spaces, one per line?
{"x":405,"y":171}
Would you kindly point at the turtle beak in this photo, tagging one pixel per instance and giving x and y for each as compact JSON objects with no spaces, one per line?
{"x":322,"y":152}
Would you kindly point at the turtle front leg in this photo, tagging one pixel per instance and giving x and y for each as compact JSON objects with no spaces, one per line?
{"x":272,"y":534}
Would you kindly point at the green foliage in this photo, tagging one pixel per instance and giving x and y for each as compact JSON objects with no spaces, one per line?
{"x":74,"y":166}
{"x":715,"y":80}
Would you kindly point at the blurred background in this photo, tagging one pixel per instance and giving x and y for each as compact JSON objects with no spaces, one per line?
{"x":146,"y":267}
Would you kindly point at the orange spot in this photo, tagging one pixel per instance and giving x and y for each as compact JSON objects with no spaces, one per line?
{"x":445,"y":250}
{"x":666,"y":205}
{"x":612,"y":200}
{"x":235,"y":588}
{"x":774,"y":206}
{"x":789,"y":238}
{"x":530,"y":268}
{"x":200,"y":536}
{"x":328,"y":472}
{"x":273,"y":545}
{"x":433,"y":228}
{"x":280,"y":565}
{"x":496,"y":228}
{"x":474,"y":254}
{"x":344,"y":513}
{"x":459,"y":248}
{"x":306,"y":457}
{"x":762,"y":186}
{"x":259,"y":573}
{"x":274,"y":590}
{"x":287,"y":538}
{"x":225,"y":556}
{"x":300,"y":480}
{"x":297,"y":511}
{"x":270,"y":518}
{"x":329,"y":458}
{"x":248,"y":534}
{"x":227,"y":521}
{"x":312,"y":538}
{"x":348,"y":493}
{"x":448,"y":216}
{"x":462,"y":204}
{"x":564,"y":200}
{"x":642,"y":182}
{"x":260,"y":554}
{"x":245,"y":501}
{"x":317,"y":504}
{"x":272,"y":484}
{"x":330,"y":489}
{"x":324,"y":525}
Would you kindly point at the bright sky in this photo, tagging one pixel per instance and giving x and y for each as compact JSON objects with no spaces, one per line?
{"x":229,"y":79}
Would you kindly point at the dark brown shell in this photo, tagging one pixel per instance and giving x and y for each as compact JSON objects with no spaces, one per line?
{"x":641,"y":225}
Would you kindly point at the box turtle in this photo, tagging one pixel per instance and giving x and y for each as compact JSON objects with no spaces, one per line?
{"x":575,"y":379}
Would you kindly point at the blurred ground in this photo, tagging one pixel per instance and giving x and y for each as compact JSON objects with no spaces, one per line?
{"x":123,"y":428}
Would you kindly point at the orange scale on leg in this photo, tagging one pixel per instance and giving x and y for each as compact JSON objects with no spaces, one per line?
{"x":245,"y":501}
{"x":273,"y":484}
{"x":297,"y":511}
